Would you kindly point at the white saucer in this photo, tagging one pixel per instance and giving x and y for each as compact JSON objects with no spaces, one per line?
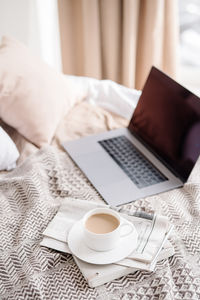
{"x":77,"y":246}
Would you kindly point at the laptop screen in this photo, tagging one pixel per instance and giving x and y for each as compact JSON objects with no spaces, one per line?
{"x":167,"y":121}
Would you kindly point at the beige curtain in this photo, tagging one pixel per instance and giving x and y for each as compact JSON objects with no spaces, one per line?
{"x":118,"y":39}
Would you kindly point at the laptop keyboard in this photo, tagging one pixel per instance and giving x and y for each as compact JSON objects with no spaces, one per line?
{"x":134,"y":164}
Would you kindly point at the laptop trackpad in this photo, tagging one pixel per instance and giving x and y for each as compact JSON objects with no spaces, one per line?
{"x":100,"y":168}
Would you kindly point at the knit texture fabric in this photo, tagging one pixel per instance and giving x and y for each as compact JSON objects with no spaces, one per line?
{"x":29,"y":198}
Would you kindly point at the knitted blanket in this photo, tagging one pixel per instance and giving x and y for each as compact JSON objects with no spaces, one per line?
{"x":30,"y":197}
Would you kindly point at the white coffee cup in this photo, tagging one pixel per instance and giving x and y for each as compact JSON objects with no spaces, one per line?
{"x":102,"y":240}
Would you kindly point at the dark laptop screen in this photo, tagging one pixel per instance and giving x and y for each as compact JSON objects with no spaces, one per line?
{"x":167,"y":120}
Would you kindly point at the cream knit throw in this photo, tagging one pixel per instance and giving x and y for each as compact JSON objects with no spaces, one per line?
{"x":29,"y":198}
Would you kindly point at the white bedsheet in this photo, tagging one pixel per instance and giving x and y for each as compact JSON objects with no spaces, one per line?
{"x":109,"y":95}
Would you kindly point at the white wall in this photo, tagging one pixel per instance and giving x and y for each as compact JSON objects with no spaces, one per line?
{"x":35,"y":23}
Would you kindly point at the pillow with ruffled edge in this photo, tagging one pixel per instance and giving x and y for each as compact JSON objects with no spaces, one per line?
{"x":8,"y":152}
{"x":33,"y":96}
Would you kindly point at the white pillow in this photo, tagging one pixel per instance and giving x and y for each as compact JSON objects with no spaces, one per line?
{"x":8,"y":152}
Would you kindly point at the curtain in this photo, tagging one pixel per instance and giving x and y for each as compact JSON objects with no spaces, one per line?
{"x":118,"y":39}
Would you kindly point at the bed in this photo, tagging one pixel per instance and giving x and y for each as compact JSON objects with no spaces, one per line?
{"x":31,"y":193}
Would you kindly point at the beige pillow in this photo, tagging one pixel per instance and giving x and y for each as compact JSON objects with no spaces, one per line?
{"x":33,"y":97}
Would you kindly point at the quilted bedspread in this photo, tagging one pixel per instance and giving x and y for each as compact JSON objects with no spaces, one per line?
{"x":29,"y":198}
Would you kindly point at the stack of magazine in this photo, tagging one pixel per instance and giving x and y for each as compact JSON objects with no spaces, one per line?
{"x":152,"y":244}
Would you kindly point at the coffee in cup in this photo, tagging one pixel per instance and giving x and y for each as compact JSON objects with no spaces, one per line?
{"x":102,"y":229}
{"x":101,"y":223}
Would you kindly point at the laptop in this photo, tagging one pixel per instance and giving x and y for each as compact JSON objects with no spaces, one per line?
{"x":157,"y":151}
